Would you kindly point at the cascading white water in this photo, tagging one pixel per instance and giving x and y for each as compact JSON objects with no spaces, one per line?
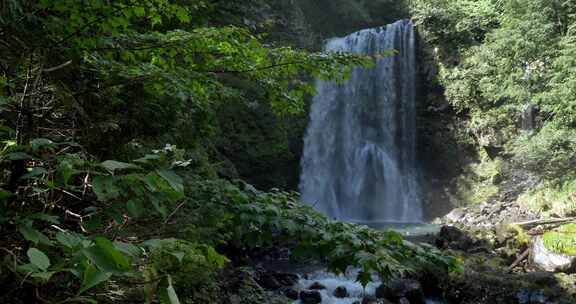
{"x":359,"y":160}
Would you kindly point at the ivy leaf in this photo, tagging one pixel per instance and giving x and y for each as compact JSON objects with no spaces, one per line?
{"x":38,"y":258}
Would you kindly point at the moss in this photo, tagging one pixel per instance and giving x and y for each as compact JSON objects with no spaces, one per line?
{"x":561,"y":240}
{"x":522,"y":238}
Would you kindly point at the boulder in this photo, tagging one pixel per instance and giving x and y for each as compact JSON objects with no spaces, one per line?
{"x":341,"y":292}
{"x":310,"y":297}
{"x":291,"y":293}
{"x":406,"y":288}
{"x":455,"y":215}
{"x":275,"y":280}
{"x":374,"y":300}
{"x":268,"y":281}
{"x":317,"y":286}
{"x":550,"y":261}
{"x":452,"y":237}
{"x":403,"y":301}
{"x":286,"y":279}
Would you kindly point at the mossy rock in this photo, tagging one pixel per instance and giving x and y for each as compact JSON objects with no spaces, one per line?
{"x":561,"y":240}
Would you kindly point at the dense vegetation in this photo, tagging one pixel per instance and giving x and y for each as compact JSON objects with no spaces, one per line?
{"x":508,"y":66}
{"x":109,"y":111}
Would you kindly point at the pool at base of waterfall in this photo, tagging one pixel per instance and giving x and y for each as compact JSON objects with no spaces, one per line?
{"x":330,"y":282}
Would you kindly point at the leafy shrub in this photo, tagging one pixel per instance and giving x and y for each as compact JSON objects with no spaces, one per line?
{"x":192,"y":267}
{"x":481,"y":181}
{"x":552,"y":198}
{"x":549,"y":152}
{"x":250,"y":218}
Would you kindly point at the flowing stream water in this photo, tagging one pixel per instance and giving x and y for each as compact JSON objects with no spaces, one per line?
{"x":359,"y":160}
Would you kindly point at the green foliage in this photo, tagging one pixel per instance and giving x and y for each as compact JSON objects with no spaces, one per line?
{"x":549,"y":151}
{"x":481,"y":180}
{"x":499,"y":58}
{"x":552,"y":198}
{"x":190,"y":269}
{"x":79,"y":80}
{"x":250,"y":218}
{"x":561,"y":240}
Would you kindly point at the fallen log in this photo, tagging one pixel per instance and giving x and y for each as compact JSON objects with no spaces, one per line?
{"x":545,"y":222}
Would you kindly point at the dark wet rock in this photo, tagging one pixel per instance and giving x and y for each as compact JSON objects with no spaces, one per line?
{"x":286,"y":279}
{"x":454,"y":238}
{"x":317,"y":286}
{"x":409,"y":289}
{"x":549,"y":261}
{"x":268,"y":281}
{"x":291,"y":293}
{"x":310,"y":297}
{"x":374,"y":300}
{"x":524,"y":288}
{"x":403,"y":301}
{"x":341,"y":292}
{"x":275,"y":280}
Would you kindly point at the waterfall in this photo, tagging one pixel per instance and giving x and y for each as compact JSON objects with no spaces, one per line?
{"x":359,"y":160}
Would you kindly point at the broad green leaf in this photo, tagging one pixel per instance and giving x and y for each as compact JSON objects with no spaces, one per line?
{"x":65,"y":171}
{"x":172,"y":296}
{"x":18,"y":156}
{"x":112,"y":166}
{"x":33,"y":235}
{"x":39,"y":143}
{"x":92,"y":277}
{"x":104,"y":188}
{"x":35,"y":172}
{"x":135,"y":208}
{"x":179,"y":255}
{"x":169,"y":296}
{"x":128,"y":249}
{"x":69,"y":239}
{"x":106,"y":257}
{"x":38,"y":258}
{"x":27,"y":268}
{"x":46,"y":218}
{"x":173,"y":179}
